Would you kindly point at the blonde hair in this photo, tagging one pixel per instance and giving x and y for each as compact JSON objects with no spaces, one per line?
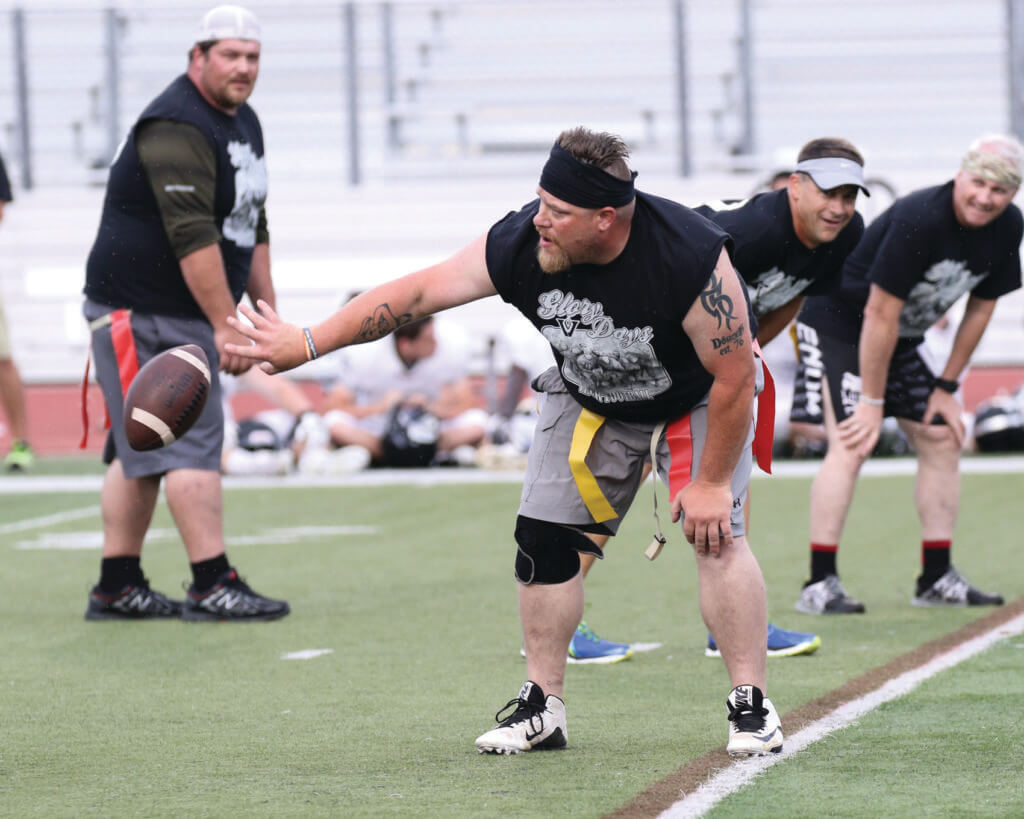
{"x":996,"y":157}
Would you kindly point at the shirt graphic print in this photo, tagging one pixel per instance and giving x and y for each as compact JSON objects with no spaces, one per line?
{"x":608,"y":363}
{"x":250,"y":194}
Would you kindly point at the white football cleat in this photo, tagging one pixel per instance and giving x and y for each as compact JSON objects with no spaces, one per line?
{"x":537,"y":723}
{"x":754,"y":726}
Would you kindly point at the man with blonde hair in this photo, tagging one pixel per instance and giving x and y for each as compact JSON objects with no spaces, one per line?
{"x":862,"y":359}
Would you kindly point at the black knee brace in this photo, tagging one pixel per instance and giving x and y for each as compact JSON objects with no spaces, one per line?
{"x":548,"y":552}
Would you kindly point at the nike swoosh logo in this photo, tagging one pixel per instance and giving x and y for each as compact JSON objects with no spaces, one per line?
{"x":766,"y":737}
{"x":531,"y":737}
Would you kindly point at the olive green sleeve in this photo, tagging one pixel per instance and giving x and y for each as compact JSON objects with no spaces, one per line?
{"x":182,"y":171}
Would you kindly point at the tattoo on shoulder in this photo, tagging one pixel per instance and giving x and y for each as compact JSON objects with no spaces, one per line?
{"x":382,"y":322}
{"x":716,"y":303}
{"x":727,"y":343}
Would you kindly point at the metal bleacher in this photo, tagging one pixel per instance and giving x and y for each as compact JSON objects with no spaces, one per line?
{"x":457,"y":108}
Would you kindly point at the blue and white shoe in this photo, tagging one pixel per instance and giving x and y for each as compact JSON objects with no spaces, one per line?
{"x":587,"y":647}
{"x":781,"y":643}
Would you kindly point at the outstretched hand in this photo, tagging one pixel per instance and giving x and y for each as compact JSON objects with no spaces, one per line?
{"x":277,"y":344}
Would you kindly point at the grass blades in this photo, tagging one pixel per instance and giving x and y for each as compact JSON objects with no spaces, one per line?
{"x":419,"y":614}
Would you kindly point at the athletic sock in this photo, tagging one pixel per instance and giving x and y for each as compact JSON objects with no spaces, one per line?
{"x":205,"y":573}
{"x":118,"y":572}
{"x":935,"y":559}
{"x":823,"y":561}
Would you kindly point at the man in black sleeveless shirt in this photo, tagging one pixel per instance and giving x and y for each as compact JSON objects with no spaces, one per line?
{"x":182,"y":236}
{"x":862,"y":358}
{"x":650,"y":328}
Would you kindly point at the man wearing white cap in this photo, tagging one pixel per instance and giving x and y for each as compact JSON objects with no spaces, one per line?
{"x":183,"y":235}
{"x":861,"y":359}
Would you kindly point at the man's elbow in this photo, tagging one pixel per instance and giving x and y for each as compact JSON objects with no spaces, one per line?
{"x":739,"y":381}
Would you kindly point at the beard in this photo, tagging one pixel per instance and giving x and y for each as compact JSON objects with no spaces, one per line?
{"x":553,"y":259}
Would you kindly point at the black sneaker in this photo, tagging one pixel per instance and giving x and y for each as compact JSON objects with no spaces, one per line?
{"x":953,"y":589}
{"x":131,"y":603}
{"x":231,"y":599}
{"x":827,"y":597}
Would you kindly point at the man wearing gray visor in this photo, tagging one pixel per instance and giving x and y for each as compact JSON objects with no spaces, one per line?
{"x":788,"y":244}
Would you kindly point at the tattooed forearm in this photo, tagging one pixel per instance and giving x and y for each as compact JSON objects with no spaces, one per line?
{"x":717,"y":303}
{"x":382,"y":322}
{"x":733,"y":341}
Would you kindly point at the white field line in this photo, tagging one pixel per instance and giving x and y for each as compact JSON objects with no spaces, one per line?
{"x":439,"y":476}
{"x":49,"y":520}
{"x":741,"y":773}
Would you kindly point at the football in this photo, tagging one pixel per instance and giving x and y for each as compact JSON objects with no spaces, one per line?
{"x":166,"y":397}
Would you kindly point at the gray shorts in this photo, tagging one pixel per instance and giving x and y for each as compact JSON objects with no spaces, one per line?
{"x":200,"y":447}
{"x":594,"y":494}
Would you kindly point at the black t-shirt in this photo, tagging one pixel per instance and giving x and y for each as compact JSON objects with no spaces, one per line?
{"x":616,"y":329}
{"x":776,"y":266}
{"x":918,"y":252}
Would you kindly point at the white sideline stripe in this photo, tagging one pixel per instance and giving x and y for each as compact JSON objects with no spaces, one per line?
{"x":436,"y":476}
{"x":741,"y":773}
{"x":49,"y":520}
{"x":93,"y":539}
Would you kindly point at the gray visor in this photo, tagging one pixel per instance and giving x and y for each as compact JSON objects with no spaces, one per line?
{"x":833,"y":172}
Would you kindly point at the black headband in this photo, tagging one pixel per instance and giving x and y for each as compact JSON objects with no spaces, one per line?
{"x":584,"y":185}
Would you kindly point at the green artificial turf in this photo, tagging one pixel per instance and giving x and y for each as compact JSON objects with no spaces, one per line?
{"x":419,"y":615}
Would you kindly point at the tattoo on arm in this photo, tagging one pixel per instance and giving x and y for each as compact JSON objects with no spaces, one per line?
{"x":382,"y":322}
{"x":716,"y":303}
{"x":727,"y":343}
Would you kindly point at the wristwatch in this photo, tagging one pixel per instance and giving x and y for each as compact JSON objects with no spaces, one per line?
{"x":947,"y":385}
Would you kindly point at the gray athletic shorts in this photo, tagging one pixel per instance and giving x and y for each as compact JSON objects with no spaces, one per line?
{"x":826,"y":362}
{"x":200,"y":447}
{"x":590,"y":485}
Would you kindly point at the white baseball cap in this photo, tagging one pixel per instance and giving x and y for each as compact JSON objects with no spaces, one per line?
{"x":228,"y":23}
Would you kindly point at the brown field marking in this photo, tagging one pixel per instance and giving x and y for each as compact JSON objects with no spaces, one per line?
{"x":667,"y":791}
